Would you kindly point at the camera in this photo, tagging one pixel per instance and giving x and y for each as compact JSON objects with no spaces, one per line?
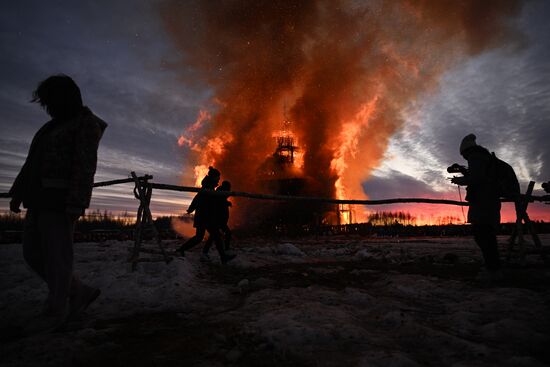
{"x":457,"y":168}
{"x":546,"y":186}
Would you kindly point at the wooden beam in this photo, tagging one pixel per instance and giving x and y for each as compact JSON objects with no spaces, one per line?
{"x":327,"y":200}
{"x":121,"y":181}
{"x":544,"y":198}
{"x":305,"y":198}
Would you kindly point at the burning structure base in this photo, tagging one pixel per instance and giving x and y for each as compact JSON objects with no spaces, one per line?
{"x":281,"y":174}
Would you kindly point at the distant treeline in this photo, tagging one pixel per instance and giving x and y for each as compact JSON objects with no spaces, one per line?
{"x":94,"y":219}
{"x":101,"y":225}
{"x":388,"y":218}
{"x":97,"y":219}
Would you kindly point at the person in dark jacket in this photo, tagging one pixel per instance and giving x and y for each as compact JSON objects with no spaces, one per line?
{"x":55,"y":185}
{"x":221,"y":214}
{"x":482,"y":195}
{"x":204,"y":221}
{"x":199,"y":205}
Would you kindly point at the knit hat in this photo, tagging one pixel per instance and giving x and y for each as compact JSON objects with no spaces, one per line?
{"x":225,"y":186}
{"x":212,"y":172}
{"x":468,"y":142}
{"x":207,"y":182}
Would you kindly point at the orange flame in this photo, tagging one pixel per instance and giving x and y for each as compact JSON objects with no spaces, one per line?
{"x":348,"y":149}
{"x":206,"y":148}
{"x":346,"y":69}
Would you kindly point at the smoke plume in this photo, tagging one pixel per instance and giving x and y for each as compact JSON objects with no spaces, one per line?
{"x":344,"y":70}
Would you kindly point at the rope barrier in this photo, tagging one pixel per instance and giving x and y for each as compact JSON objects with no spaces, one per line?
{"x":159,"y":186}
{"x":143,"y":190}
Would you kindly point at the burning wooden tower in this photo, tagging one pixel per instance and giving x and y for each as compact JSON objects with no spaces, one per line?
{"x":282,"y":174}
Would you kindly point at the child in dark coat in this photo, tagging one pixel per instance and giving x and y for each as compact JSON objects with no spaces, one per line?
{"x":221,"y":215}
{"x":205,"y":220}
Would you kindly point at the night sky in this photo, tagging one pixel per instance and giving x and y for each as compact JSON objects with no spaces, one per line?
{"x":130,"y":75}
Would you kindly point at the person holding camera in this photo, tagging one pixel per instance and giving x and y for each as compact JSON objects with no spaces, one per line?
{"x":483,"y":197}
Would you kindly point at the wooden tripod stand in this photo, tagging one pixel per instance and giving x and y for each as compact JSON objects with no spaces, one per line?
{"x":143,"y":192}
{"x":523,"y":217}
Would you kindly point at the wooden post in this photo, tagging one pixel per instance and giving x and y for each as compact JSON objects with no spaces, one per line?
{"x":144,"y":220}
{"x":520,"y":207}
{"x":531,"y":227}
{"x":523,"y":217}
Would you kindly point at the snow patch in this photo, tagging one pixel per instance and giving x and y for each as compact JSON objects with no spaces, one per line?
{"x":288,"y":249}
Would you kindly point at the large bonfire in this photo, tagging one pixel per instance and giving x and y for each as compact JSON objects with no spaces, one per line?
{"x":341,"y":71}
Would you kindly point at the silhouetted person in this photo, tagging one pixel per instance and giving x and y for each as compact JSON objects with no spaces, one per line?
{"x":546,"y":186}
{"x":204,"y":221}
{"x":483,"y":197}
{"x":199,"y":205}
{"x":55,"y":185}
{"x":221,"y":215}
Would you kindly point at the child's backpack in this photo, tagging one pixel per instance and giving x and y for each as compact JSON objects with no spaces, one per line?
{"x":505,"y":179}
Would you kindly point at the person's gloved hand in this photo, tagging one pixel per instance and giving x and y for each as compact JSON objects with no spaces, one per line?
{"x":15,"y":203}
{"x":459,"y":180}
{"x":74,"y":213}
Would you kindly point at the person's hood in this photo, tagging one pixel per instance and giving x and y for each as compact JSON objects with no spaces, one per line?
{"x":90,"y":115}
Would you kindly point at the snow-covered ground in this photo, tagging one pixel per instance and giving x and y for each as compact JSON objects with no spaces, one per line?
{"x":317,"y":301}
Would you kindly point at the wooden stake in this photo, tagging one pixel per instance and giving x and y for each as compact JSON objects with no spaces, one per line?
{"x":522,"y":216}
{"x":143,"y":192}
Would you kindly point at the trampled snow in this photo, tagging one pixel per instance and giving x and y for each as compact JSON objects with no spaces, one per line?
{"x":325,"y":301}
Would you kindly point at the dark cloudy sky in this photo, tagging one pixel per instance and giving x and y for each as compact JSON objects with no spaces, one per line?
{"x":125,"y":63}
